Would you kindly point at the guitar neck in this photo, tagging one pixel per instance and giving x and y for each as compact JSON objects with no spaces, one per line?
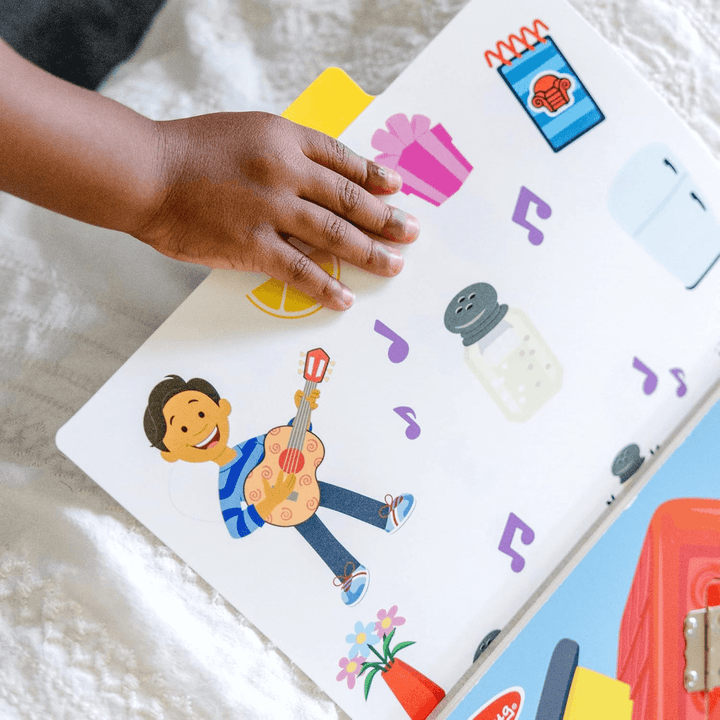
{"x":297,"y":436}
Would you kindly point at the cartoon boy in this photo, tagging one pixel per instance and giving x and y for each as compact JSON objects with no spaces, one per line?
{"x":189,"y":421}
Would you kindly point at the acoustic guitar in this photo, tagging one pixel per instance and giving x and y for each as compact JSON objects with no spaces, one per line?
{"x":293,"y":449}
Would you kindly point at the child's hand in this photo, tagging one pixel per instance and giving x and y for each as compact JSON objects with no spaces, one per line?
{"x":239,"y":185}
{"x":229,"y":190}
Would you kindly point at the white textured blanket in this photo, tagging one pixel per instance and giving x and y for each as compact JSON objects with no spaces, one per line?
{"x":97,"y":618}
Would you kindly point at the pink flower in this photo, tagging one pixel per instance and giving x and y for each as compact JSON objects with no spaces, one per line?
{"x":388,"y":621}
{"x":350,"y":669}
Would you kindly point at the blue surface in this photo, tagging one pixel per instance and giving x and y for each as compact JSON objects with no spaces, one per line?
{"x":588,"y":606}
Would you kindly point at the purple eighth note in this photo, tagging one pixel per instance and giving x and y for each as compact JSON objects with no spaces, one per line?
{"x":399,"y":348}
{"x":413,"y":429}
{"x":535,"y":235}
{"x":651,"y":379}
{"x":527,"y":535}
{"x":679,"y":375}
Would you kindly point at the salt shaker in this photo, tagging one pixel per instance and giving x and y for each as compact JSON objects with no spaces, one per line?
{"x":505,"y":351}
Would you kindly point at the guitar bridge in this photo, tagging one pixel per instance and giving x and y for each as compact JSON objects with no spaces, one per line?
{"x":293,"y":496}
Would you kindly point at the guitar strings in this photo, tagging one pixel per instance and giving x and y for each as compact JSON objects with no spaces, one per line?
{"x":298,"y":431}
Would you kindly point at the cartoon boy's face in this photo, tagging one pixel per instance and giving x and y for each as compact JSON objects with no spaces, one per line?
{"x":197,"y":428}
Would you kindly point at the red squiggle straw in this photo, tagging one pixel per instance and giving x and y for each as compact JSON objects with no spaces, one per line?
{"x":510,"y":44}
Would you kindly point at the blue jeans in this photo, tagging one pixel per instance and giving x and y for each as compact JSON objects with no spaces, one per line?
{"x":324,"y":543}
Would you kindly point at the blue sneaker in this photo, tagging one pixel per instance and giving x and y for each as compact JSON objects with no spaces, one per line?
{"x":355,"y":585}
{"x":399,"y":510}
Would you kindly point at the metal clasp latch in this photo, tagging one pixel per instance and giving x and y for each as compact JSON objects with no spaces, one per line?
{"x":702,"y":649}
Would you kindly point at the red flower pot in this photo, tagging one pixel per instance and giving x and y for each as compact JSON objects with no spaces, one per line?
{"x":418,"y":695}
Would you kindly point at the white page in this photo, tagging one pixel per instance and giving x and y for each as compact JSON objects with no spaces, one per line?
{"x":592,"y":293}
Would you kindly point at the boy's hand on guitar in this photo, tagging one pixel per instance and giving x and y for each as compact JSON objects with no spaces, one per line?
{"x":275,"y":494}
{"x":311,"y":398}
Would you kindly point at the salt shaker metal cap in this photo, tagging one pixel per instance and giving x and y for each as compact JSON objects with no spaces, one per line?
{"x":474,"y":312}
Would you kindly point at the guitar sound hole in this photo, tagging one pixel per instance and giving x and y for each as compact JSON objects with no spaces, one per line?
{"x":291,"y":461}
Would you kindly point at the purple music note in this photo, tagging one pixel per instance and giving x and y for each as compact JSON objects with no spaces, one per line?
{"x":651,"y":379}
{"x":535,"y":235}
{"x":398,"y":349}
{"x":679,"y":375}
{"x":527,"y":535}
{"x":413,"y":429}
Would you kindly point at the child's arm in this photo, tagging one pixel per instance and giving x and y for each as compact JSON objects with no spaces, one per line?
{"x":224,"y":190}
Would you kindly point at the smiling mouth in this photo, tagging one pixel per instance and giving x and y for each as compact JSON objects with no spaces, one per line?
{"x":210,"y":441}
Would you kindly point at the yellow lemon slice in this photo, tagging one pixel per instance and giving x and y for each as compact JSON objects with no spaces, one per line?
{"x":280,"y":300}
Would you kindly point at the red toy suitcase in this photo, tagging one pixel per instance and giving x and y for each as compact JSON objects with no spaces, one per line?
{"x":669,"y":645}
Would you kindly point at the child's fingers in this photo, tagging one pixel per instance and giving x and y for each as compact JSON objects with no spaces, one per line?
{"x":286,"y":263}
{"x":336,"y":156}
{"x":320,"y":228}
{"x":348,"y":200}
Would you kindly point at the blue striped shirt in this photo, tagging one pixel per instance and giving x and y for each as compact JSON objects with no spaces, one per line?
{"x":240,"y":518}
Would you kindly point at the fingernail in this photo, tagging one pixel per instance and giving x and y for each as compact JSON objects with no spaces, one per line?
{"x":395,"y":262}
{"x":347,"y":297}
{"x":388,"y":257}
{"x":387,"y":177}
{"x":402,"y":227}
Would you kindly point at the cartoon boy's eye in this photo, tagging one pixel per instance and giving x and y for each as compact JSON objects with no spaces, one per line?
{"x":201,"y":414}
{"x":183,"y":428}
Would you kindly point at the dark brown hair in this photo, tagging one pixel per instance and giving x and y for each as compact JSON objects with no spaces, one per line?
{"x":154,"y":421}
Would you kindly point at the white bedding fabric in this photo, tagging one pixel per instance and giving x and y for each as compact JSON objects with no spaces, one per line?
{"x":97,"y":618}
